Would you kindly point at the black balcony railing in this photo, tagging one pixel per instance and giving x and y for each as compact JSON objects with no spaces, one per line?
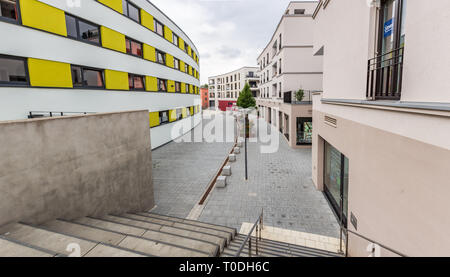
{"x":291,"y":98}
{"x":384,"y":76}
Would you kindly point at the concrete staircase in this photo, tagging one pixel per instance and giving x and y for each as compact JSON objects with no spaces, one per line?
{"x":126,"y":235}
{"x":270,"y":248}
{"x":136,"y":235}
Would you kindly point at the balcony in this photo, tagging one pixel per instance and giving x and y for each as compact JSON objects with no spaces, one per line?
{"x":384,"y":76}
{"x":290,"y":98}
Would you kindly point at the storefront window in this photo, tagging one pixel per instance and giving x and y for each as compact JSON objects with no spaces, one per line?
{"x":304,"y":130}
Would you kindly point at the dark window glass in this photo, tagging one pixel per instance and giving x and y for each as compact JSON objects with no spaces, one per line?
{"x":92,"y":78}
{"x":134,"y":47}
{"x":160,"y":57}
{"x":162,"y":85}
{"x":125,"y":7}
{"x":133,"y":13}
{"x":175,"y":39}
{"x":71,"y":24}
{"x":164,"y":117}
{"x":8,"y":9}
{"x":77,"y":76}
{"x":186,"y":46}
{"x":82,"y":30}
{"x":179,"y":114}
{"x":159,"y":28}
{"x":176,"y":63}
{"x":89,"y":32}
{"x":186,"y":68}
{"x":136,"y":82}
{"x":12,"y":71}
{"x":177,"y":87}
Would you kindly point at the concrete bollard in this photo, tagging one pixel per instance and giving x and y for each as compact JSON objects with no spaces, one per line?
{"x":239,"y":144}
{"x":237,"y":150}
{"x":226,"y":171}
{"x":221,"y":182}
{"x":232,"y":158}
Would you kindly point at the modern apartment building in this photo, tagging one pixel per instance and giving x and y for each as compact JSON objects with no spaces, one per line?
{"x":287,"y":65}
{"x":381,"y":137}
{"x":68,"y":57}
{"x":225,"y":89}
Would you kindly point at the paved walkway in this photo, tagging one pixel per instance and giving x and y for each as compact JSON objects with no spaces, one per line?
{"x":281,"y":184}
{"x":182,"y":171}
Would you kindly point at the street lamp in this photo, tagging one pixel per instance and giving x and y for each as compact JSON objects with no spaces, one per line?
{"x":246,"y":112}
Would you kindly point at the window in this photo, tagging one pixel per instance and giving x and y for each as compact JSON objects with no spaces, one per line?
{"x":187,"y":87}
{"x":299,"y":11}
{"x":8,"y":9}
{"x":164,"y":117}
{"x":176,"y":63}
{"x":175,"y":39}
{"x":82,"y":30}
{"x":13,"y":71}
{"x":160,"y":57}
{"x":136,"y":82}
{"x":131,"y":11}
{"x":159,"y":28}
{"x":304,"y":130}
{"x":186,"y":46}
{"x":87,"y":77}
{"x":133,"y":47}
{"x":177,"y":87}
{"x":186,"y":68}
{"x":179,"y":114}
{"x":162,"y":85}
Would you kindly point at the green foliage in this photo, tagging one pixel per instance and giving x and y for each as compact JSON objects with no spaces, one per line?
{"x":246,"y":99}
{"x":299,"y":95}
{"x":205,"y":86}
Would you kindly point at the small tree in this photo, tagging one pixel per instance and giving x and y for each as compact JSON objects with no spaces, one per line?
{"x":299,"y":95}
{"x":246,"y":99}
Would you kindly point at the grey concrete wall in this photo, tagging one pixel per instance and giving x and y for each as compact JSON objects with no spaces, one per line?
{"x":76,"y":166}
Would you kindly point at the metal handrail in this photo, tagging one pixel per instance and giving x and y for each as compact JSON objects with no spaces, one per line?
{"x":259,"y":226}
{"x":347,"y":231}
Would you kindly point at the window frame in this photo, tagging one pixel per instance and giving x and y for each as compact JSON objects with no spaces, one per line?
{"x":179,"y":87}
{"x":128,"y":3}
{"x":164,"y":55}
{"x":155,"y":22}
{"x":160,"y":117}
{"x":77,"y":26}
{"x":102,"y":71}
{"x":159,"y":85}
{"x":27,"y":74}
{"x":19,"y":17}
{"x":177,"y":44}
{"x":176,"y":61}
{"x":131,"y":75}
{"x":140,"y":43}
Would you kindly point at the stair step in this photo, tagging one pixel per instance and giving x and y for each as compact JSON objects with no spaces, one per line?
{"x":222,"y":234}
{"x":44,"y":239}
{"x":117,"y":227}
{"x":166,"y":229}
{"x":194,"y":222}
{"x":262,"y":250}
{"x":102,"y":250}
{"x":12,"y":249}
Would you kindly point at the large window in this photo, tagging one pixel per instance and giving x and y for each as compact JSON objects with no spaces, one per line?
{"x":175,"y":39}
{"x":13,"y":71}
{"x":176,"y":63}
{"x":131,"y":11}
{"x":336,"y":180}
{"x":82,"y":30}
{"x":179,"y":114}
{"x":159,"y":28}
{"x":136,"y":82}
{"x":177,"y":87}
{"x":162,"y":85}
{"x":87,"y":77}
{"x":304,"y":130}
{"x":8,"y":9}
{"x":160,"y":57}
{"x":133,"y":47}
{"x":164,"y":117}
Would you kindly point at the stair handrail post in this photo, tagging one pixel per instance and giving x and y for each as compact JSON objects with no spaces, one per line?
{"x":257,"y":229}
{"x":250,"y":247}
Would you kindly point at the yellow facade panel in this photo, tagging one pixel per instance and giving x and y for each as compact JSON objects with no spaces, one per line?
{"x":183,"y":88}
{"x":182,"y":65}
{"x":113,"y":4}
{"x":184,"y":112}
{"x":43,"y":17}
{"x":151,"y":83}
{"x":172,"y":115}
{"x":45,"y":73}
{"x":149,"y":53}
{"x":182,"y":44}
{"x":169,"y":60}
{"x":147,"y":20}
{"x":168,"y":34}
{"x":113,"y":40}
{"x":154,"y":119}
{"x":116,"y":80}
{"x":171,"y":86}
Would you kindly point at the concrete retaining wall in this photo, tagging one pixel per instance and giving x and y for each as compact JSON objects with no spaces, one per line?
{"x":75,"y":166}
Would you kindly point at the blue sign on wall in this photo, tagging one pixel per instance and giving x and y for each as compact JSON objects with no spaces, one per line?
{"x":388,"y":27}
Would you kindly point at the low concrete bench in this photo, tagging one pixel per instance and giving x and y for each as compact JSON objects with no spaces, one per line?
{"x":221,"y":182}
{"x":232,"y":158}
{"x":237,"y":150}
{"x":226,"y":171}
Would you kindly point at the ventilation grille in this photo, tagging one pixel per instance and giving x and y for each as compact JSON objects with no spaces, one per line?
{"x":331,"y":121}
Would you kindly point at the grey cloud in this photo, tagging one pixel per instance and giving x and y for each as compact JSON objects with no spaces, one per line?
{"x":229,"y":52}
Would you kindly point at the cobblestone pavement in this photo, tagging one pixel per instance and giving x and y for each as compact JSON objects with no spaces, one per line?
{"x":182,"y":171}
{"x":281,"y":184}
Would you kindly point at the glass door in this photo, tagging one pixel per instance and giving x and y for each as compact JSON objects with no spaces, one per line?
{"x":336,"y":181}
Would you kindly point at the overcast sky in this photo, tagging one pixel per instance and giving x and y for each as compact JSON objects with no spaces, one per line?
{"x":228,"y":34}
